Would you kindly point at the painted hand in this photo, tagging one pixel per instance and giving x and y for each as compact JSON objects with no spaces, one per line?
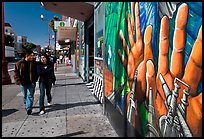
{"x":137,"y":54}
{"x":191,"y":75}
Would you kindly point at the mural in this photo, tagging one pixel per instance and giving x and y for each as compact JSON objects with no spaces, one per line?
{"x":153,"y":66}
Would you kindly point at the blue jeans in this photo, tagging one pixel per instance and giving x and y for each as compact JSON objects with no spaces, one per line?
{"x":45,"y":85}
{"x":28,"y":95}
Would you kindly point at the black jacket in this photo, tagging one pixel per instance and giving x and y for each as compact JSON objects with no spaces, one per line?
{"x":46,"y":72}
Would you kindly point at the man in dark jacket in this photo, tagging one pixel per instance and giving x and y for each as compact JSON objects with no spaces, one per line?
{"x":46,"y":73}
{"x":25,"y":75}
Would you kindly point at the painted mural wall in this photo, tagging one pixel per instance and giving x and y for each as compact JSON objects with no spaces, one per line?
{"x":153,"y":65}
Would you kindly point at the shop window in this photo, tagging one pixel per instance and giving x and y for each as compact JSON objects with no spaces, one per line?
{"x":99,"y":29}
{"x":82,"y":41}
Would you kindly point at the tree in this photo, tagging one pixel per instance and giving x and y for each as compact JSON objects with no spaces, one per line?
{"x":51,"y":24}
{"x":28,"y":46}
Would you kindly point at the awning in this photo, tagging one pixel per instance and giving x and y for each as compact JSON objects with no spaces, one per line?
{"x":78,"y":10}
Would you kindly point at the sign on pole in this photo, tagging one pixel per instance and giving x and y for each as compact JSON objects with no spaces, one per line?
{"x":65,"y":33}
{"x":60,"y":24}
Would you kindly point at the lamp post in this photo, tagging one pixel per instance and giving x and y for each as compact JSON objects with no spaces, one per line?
{"x":5,"y":75}
{"x":55,"y":42}
{"x":54,"y":38}
{"x":52,"y":22}
{"x":42,"y":17}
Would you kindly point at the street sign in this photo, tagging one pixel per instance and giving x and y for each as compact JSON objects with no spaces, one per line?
{"x":65,"y":33}
{"x":60,"y":24}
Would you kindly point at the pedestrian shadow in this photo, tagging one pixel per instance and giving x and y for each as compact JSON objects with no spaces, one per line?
{"x":6,"y":112}
{"x":56,"y":107}
{"x":60,"y":79}
{"x":60,"y":85}
{"x":73,"y":134}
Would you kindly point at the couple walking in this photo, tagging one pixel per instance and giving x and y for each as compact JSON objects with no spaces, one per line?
{"x":26,"y":74}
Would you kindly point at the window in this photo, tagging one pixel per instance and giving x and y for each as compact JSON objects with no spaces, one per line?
{"x":99,"y":29}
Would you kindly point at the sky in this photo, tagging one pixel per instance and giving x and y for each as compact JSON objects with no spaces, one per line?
{"x":24,"y":17}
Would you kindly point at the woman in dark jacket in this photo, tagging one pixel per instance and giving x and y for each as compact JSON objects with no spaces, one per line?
{"x":46,"y":73}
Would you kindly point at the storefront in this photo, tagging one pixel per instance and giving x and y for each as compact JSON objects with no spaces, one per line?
{"x":76,"y":60}
{"x":89,"y":50}
{"x":86,"y":49}
{"x":99,"y":32}
{"x":81,"y":51}
{"x":131,"y":106}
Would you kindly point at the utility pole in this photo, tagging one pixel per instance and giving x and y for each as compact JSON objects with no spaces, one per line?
{"x":48,"y":36}
{"x":55,"y":42}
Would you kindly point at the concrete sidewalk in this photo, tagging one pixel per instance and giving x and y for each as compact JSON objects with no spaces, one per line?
{"x":75,"y":111}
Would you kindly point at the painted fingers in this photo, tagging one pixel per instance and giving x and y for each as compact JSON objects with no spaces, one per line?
{"x":163,"y":46}
{"x":137,"y":16}
{"x":193,"y":70}
{"x":134,"y":24}
{"x":150,"y":78}
{"x":126,"y":49}
{"x":132,"y":13}
{"x":130,"y":31}
{"x":147,"y":42}
{"x":124,"y":44}
{"x":179,"y":41}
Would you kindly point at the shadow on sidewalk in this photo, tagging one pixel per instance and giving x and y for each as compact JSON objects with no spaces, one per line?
{"x":59,"y":85}
{"x":69,"y":78}
{"x":6,"y":112}
{"x":56,"y":107}
{"x":73,"y":134}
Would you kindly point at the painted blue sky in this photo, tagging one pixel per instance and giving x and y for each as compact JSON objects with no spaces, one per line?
{"x":25,"y":20}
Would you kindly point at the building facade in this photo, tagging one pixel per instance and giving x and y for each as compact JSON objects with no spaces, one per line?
{"x":10,"y":47}
{"x":19,"y":48}
{"x":136,"y":55}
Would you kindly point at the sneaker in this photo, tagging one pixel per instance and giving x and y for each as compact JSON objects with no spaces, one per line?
{"x":29,"y":112}
{"x":49,"y":104}
{"x":42,"y":112}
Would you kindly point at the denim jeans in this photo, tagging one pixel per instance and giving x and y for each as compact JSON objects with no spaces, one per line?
{"x":28,"y":95}
{"x":45,"y":86}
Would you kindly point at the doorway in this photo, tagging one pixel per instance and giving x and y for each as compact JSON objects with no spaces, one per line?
{"x":91,"y":52}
